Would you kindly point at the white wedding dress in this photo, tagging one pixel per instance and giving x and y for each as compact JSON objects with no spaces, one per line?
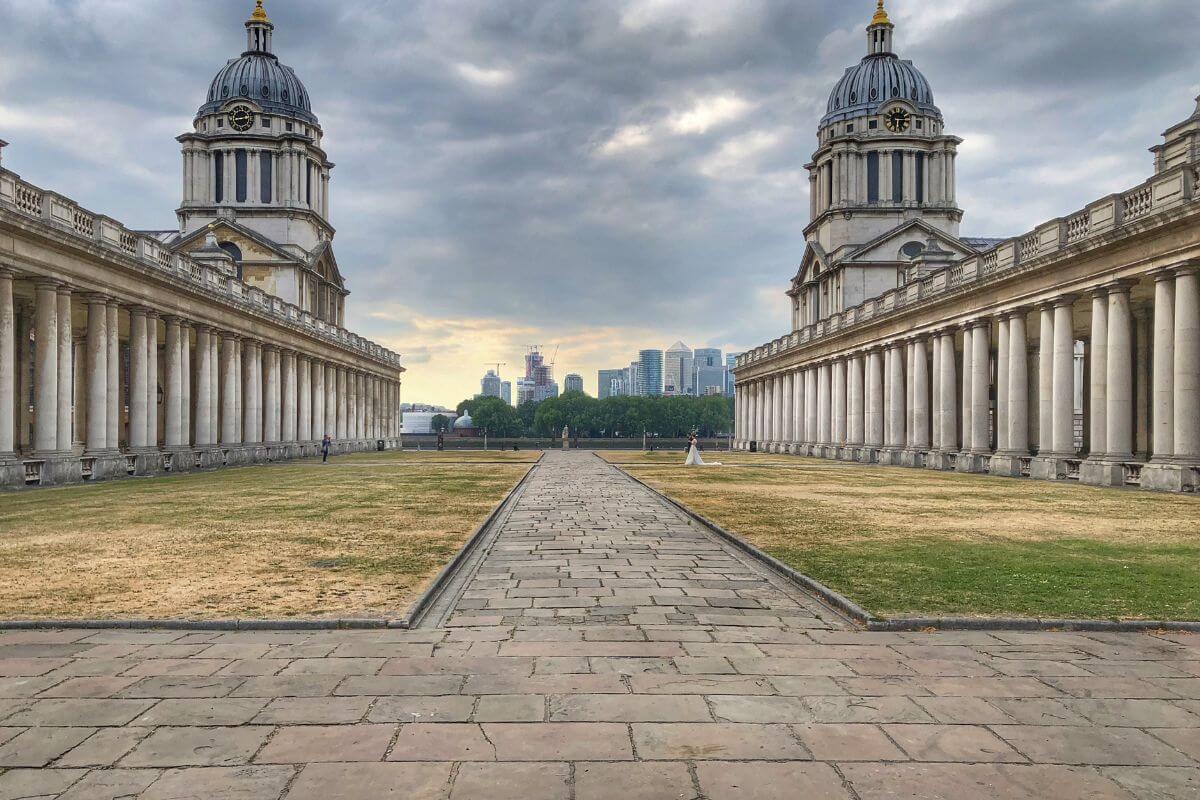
{"x":694,"y":459}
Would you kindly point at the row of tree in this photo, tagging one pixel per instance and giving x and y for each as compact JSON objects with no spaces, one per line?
{"x":611,"y":417}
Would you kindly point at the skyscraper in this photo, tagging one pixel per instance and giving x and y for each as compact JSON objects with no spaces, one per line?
{"x":573,"y":383}
{"x":611,"y":383}
{"x":490,"y":385}
{"x":677,"y":370}
{"x":506,"y":391}
{"x":730,"y":363}
{"x":632,"y":378}
{"x":709,"y":371}
{"x":538,"y":383}
{"x":650,"y":373}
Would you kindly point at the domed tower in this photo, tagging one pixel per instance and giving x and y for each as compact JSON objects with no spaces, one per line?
{"x":254,"y":171}
{"x":881,"y":182}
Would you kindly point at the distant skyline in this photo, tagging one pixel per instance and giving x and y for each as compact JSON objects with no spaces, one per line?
{"x":600,"y":176}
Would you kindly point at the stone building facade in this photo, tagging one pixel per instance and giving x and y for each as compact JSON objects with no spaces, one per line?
{"x":913,"y":346}
{"x":129,"y":352}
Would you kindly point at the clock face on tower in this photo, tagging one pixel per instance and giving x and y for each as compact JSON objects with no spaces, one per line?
{"x":241,"y":118}
{"x":898,"y":120}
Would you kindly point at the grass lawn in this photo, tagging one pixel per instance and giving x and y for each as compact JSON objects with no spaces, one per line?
{"x":413,"y":456}
{"x":299,"y":539}
{"x":904,"y":541}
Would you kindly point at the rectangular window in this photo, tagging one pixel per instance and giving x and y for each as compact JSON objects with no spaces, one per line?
{"x":289,"y":126}
{"x":219,"y":171}
{"x":308,"y":175}
{"x":920,"y":177}
{"x":239,"y":165}
{"x":920,"y":124}
{"x":872,"y":177}
{"x":266,"y":122}
{"x":265,"y":177}
{"x":850,"y":128}
{"x":873,"y":124}
{"x":897,"y":176}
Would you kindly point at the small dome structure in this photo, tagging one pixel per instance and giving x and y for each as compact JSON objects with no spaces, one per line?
{"x":464,"y":423}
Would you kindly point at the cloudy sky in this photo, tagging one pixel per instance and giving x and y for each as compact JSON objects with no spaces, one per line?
{"x":594,"y":175}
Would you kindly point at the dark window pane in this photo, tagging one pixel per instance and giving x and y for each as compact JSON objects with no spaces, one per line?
{"x":897,"y":177}
{"x":920,"y":177}
{"x":219,"y":170}
{"x":266,"y":178}
{"x":872,"y":177}
{"x":239,"y":163}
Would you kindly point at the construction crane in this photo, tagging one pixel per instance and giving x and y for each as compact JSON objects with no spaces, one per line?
{"x":497,"y":365}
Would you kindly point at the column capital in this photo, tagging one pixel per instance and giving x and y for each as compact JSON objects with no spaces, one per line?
{"x":138,"y":311}
{"x":97,"y":299}
{"x":7,"y":270}
{"x":1097,"y":292}
{"x":172,"y":319}
{"x":268,"y":347}
{"x":1184,"y":267}
{"x":1120,"y":286}
{"x":980,"y":322}
{"x":152,"y":313}
{"x":1019,"y":311}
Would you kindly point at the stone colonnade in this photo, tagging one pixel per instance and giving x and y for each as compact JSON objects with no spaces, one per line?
{"x":91,"y":387}
{"x":987,"y":395}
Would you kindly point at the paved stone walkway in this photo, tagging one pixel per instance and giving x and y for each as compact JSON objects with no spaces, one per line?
{"x":602,"y":648}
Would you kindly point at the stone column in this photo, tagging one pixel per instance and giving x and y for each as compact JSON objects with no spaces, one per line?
{"x":1163,"y":412}
{"x":765,"y":397}
{"x":360,"y":388}
{"x":343,"y":405}
{"x":231,"y":365}
{"x":889,"y":397}
{"x":910,"y":391}
{"x":97,"y":375}
{"x":173,"y":381}
{"x":825,"y":405}
{"x":214,"y":402}
{"x":203,"y":387}
{"x":1186,"y":401}
{"x":1119,"y":414}
{"x":810,"y":407}
{"x":855,"y":412}
{"x":304,"y":396}
{"x":1063,"y":411}
{"x":838,"y":376}
{"x":1016,"y":392}
{"x":980,"y":388}
{"x":152,"y":379}
{"x":8,"y":368}
{"x":920,"y":396}
{"x":1098,"y":385}
{"x":66,"y":371}
{"x":789,"y":409}
{"x":112,"y":426}
{"x":799,"y":415}
{"x":248,"y":383}
{"x":947,"y":400}
{"x":138,"y":377}
{"x":317,"y":432}
{"x":1045,"y":388}
{"x":331,"y":401}
{"x":967,"y":383}
{"x":288,"y":428}
{"x":935,"y":392}
{"x":1002,"y":357}
{"x":1142,"y":334}
{"x":185,"y":381}
{"x":897,"y":412}
{"x":272,"y":402}
{"x":874,"y":413}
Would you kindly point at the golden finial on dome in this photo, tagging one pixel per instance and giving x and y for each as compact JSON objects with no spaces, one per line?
{"x":880,"y":18}
{"x":260,"y":14}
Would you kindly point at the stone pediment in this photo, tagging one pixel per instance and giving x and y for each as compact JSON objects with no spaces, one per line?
{"x":815,"y":261}
{"x":888,"y":248}
{"x":323,"y":262}
{"x":253,"y":245}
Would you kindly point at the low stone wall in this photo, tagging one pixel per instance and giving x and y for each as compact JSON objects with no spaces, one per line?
{"x":451,"y":442}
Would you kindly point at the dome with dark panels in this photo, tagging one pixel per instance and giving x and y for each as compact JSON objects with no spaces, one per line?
{"x":261,"y":78}
{"x":874,"y":82}
{"x":258,"y":76}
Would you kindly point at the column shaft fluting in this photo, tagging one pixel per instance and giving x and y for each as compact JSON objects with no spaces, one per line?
{"x":97,"y":374}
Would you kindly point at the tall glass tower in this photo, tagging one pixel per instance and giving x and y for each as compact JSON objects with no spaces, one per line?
{"x":650,"y":373}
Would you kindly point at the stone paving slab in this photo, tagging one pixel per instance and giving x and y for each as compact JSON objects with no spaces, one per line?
{"x":776,"y":699}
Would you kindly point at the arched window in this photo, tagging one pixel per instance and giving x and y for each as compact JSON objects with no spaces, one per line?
{"x":235,"y":253}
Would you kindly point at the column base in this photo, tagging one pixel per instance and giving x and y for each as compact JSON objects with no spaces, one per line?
{"x":1010,"y":465}
{"x":12,"y":471}
{"x":976,"y":463}
{"x":104,"y":465}
{"x":890,"y":456}
{"x":1168,"y":477}
{"x":1102,"y":472}
{"x":912,"y":458}
{"x":867,"y":455}
{"x":209,"y":457}
{"x":53,"y":469}
{"x":1050,"y":467}
{"x":941,"y":460}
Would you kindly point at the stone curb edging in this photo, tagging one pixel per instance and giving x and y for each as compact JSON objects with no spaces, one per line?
{"x":876,"y":624}
{"x":419,"y":606}
{"x":343,"y":623}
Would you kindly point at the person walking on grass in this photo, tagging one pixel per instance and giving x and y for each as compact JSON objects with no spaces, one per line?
{"x":325,"y":448}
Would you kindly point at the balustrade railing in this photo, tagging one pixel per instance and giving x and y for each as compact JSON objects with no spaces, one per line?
{"x":1164,"y":191}
{"x":31,"y":201}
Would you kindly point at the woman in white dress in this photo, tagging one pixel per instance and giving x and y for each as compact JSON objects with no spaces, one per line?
{"x":693,"y":456}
